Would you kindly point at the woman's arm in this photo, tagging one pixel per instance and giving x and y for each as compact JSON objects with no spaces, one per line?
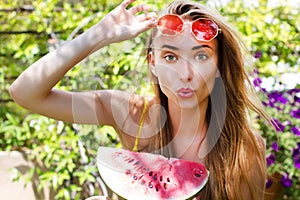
{"x":33,"y":89}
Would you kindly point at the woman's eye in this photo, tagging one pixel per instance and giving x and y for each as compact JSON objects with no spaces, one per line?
{"x":201,"y":57}
{"x":170,"y":58}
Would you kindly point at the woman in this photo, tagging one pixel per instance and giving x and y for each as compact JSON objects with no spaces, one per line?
{"x":201,"y":103}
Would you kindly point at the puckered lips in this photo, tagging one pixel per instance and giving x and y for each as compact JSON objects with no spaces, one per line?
{"x":185,"y":92}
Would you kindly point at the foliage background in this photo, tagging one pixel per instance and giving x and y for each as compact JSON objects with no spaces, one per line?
{"x":30,"y":29}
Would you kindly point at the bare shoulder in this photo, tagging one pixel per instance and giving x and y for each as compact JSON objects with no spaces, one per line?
{"x":130,"y":114}
{"x":113,"y":106}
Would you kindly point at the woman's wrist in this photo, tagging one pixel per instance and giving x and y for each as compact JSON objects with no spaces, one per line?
{"x":98,"y":36}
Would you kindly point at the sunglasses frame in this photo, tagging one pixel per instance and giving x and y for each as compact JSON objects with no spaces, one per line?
{"x":191,"y":28}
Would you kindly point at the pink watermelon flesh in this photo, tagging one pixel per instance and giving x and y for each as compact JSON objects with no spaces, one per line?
{"x":134,"y":175}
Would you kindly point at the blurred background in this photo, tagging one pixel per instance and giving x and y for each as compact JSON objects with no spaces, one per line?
{"x":41,"y":158}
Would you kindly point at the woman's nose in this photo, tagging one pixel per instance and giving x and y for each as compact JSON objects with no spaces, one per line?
{"x":186,"y":72}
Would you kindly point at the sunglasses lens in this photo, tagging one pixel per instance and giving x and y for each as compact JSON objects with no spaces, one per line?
{"x":170,"y":24}
{"x":204,"y":29}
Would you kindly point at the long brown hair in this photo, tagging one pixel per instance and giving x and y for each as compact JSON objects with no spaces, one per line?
{"x":237,"y":148}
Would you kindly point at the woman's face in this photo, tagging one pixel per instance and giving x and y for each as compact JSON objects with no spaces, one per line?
{"x":185,"y":68}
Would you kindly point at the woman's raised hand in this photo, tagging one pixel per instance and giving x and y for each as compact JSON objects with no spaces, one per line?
{"x":124,"y":23}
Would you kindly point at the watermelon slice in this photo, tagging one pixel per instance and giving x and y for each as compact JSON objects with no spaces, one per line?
{"x":134,"y":175}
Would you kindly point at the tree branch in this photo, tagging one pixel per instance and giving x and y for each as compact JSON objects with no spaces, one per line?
{"x":30,"y":8}
{"x":24,"y":8}
{"x":27,"y":32}
{"x":5,"y":100}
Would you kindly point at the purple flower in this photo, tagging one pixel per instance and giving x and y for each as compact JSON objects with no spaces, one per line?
{"x":296,"y":99}
{"x":296,"y":151}
{"x":271,"y":104}
{"x":256,"y":71}
{"x":288,"y":122}
{"x":278,"y":125}
{"x":276,"y":96}
{"x":286,"y":181}
{"x":296,"y":94}
{"x":257,"y":81}
{"x":264,"y":103}
{"x":296,"y":156}
{"x":271,"y":159}
{"x":269,"y":183}
{"x":297,"y":162}
{"x":257,"y":54}
{"x":295,"y":130}
{"x":294,"y":90}
{"x":275,"y":146}
{"x":296,"y":113}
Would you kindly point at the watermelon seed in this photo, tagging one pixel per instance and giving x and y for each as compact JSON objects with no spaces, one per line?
{"x":161,"y":178}
{"x":157,"y":187}
{"x":137,"y":162}
{"x":155,"y":177}
{"x":130,"y":161}
{"x":168,"y":179}
{"x":143,"y":182}
{"x":150,"y":185}
{"x":135,"y":177}
{"x":127,"y":172}
{"x":198,"y":172}
{"x":139,"y":168}
{"x":150,"y":173}
{"x":126,"y":158}
{"x":165,"y":186}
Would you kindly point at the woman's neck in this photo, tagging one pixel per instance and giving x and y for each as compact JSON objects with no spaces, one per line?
{"x":188,"y":121}
{"x":189,"y":130}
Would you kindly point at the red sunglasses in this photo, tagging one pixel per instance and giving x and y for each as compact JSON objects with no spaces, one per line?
{"x":203,"y":29}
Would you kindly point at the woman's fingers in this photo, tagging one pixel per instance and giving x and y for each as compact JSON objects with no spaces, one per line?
{"x":146,"y":16}
{"x":130,"y":21}
{"x":139,"y":8}
{"x":126,"y":3}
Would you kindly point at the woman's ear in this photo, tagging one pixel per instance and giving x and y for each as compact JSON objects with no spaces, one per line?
{"x":152,"y":63}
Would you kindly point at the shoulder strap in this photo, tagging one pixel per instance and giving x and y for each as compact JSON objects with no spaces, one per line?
{"x":135,"y":148}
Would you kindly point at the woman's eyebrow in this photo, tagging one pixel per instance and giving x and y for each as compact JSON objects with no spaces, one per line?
{"x":201,"y":46}
{"x":170,"y":47}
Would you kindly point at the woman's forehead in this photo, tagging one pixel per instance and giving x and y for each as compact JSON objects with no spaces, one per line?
{"x":184,"y":41}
